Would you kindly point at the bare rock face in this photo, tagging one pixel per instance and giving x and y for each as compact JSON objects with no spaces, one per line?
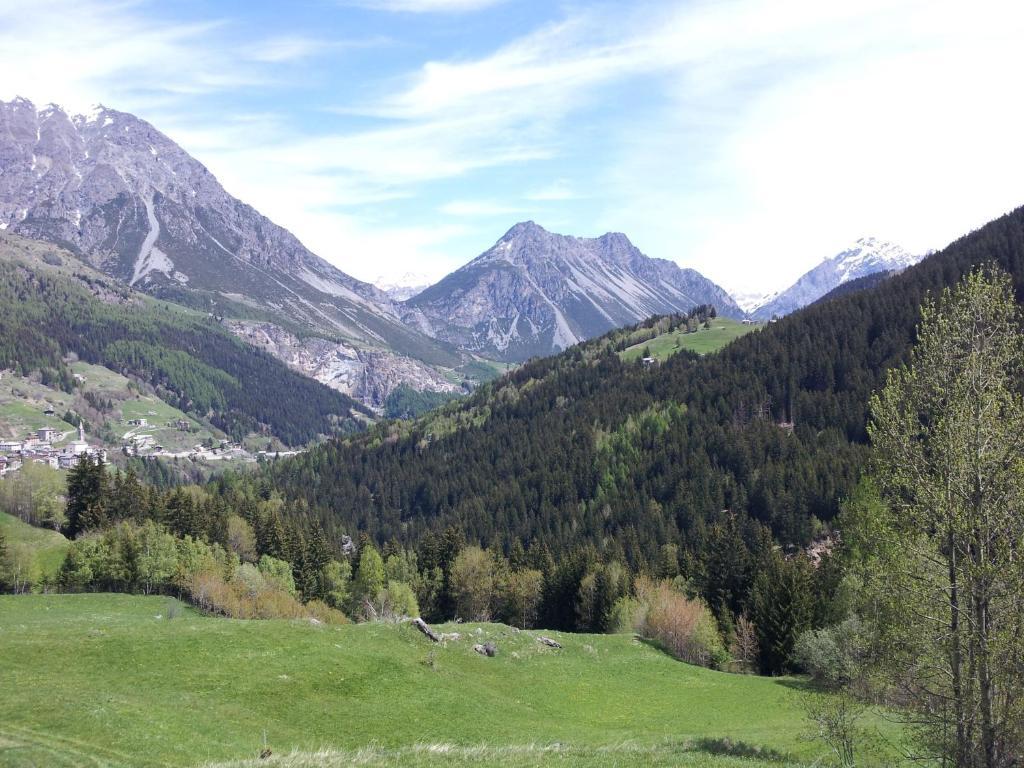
{"x":536,"y":292}
{"x":119,"y":193}
{"x":366,"y":375}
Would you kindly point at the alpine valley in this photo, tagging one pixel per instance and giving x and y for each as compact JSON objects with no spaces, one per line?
{"x":570,"y":506}
{"x":126,"y":199}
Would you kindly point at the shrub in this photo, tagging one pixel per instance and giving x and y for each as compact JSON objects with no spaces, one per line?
{"x":833,"y":655}
{"x":680,"y":625}
{"x":743,"y":647}
{"x":277,"y":571}
{"x":626,"y":616}
{"x":395,"y":601}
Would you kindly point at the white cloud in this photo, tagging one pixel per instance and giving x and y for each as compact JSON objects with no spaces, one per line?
{"x":559,"y":190}
{"x":892,"y":124}
{"x":478,"y":208}
{"x":80,"y":52}
{"x":772,"y":132}
{"x":427,"y":6}
{"x":278,"y":50}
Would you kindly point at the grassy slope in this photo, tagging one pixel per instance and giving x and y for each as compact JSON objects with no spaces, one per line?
{"x":722,"y":331}
{"x":22,"y":402}
{"x":109,"y":675}
{"x":47,"y":548}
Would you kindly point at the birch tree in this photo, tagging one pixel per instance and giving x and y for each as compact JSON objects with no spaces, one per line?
{"x":948,"y":437}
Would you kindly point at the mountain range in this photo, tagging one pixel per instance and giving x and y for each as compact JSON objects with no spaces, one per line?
{"x":127,"y":200}
{"x":124,"y":197}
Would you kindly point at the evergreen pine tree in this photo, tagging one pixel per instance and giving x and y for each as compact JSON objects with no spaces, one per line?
{"x":782,"y":608}
{"x":87,"y":496}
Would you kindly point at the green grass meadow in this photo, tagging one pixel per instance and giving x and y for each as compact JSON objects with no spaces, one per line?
{"x":118,"y":680}
{"x":704,"y":340}
{"x":34,"y":547}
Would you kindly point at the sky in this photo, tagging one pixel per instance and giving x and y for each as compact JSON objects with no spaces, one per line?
{"x":748,"y":139}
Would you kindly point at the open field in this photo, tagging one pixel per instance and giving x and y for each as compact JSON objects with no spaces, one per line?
{"x":722,"y":331}
{"x":33,"y":547}
{"x":144,"y":681}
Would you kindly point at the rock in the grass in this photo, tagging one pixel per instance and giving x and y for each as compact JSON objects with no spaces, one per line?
{"x":422,"y":626}
{"x":487,"y":649}
{"x":548,"y":642}
{"x":453,"y":636}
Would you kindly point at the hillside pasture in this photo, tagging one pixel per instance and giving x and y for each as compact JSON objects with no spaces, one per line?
{"x":144,"y":681}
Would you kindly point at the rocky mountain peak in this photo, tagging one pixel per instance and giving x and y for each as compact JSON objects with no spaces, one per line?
{"x":535,"y":292}
{"x":123,"y":196}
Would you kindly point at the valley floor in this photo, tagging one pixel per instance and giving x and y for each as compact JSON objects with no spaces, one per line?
{"x":117,"y":680}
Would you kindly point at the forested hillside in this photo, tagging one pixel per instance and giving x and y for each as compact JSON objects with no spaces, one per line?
{"x":583,"y":448}
{"x":52,"y":306}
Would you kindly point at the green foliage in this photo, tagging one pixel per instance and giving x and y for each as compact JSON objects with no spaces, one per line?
{"x":337,"y":581}
{"x":277,"y":572}
{"x":946,"y":589}
{"x":834,"y":656}
{"x":369,"y":580}
{"x":523,"y":590}
{"x":473,"y":584}
{"x":87,"y":496}
{"x":396,"y":601}
{"x":404,"y":402}
{"x":781,"y":610}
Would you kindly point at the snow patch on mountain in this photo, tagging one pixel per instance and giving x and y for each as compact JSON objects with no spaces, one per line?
{"x":867,"y":256}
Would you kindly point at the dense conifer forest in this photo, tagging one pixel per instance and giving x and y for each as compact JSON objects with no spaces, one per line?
{"x":583,"y":449}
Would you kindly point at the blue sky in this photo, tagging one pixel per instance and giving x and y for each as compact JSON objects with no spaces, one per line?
{"x":748,"y":139}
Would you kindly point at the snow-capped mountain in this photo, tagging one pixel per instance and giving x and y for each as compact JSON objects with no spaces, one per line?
{"x":126,"y":198}
{"x":536,"y":292}
{"x":748,"y":301}
{"x":867,"y":256}
{"x":404,"y":287}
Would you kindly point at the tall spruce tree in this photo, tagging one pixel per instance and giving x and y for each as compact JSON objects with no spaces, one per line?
{"x":782,"y":609}
{"x":87,"y":496}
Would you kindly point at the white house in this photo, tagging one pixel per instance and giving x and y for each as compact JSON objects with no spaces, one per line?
{"x":10,"y":446}
{"x":46,"y":434}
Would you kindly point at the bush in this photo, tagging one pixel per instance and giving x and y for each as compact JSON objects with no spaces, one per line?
{"x":680,"y":625}
{"x":396,"y":601}
{"x":626,"y":616}
{"x":833,"y":655}
{"x":146,"y":558}
{"x":278,"y":572}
